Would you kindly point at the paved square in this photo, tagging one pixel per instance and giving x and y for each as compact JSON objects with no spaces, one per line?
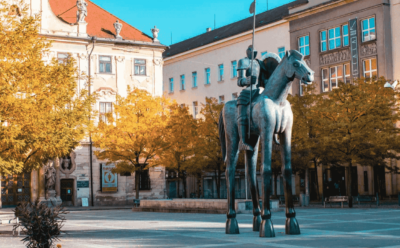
{"x":319,"y":228}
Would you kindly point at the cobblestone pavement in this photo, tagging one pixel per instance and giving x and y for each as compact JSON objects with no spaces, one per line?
{"x":319,"y":228}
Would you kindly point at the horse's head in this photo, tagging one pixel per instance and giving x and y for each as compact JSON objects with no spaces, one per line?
{"x":296,"y":67}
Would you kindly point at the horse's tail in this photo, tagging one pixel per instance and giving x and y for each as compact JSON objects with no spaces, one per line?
{"x":222,"y":138}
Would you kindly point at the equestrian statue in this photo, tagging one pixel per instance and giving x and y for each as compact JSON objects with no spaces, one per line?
{"x":269,"y":114}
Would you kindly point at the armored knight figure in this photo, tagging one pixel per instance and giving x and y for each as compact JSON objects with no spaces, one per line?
{"x":248,"y":75}
{"x":258,"y":75}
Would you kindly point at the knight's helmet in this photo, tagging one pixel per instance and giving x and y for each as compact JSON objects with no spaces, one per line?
{"x":269,"y":63}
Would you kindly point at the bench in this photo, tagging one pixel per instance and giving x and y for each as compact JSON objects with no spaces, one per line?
{"x":340,"y":199}
{"x":367,"y":198}
{"x":136,"y":202}
{"x":11,"y":222}
{"x":281,"y":198}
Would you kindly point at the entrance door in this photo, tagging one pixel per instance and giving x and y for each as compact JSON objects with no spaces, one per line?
{"x":15,"y":189}
{"x":172,"y":189}
{"x":379,"y":181}
{"x":67,"y":192}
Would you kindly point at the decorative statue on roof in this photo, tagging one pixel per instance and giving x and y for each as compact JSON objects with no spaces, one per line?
{"x":118,"y":27}
{"x":82,"y":11}
{"x":155,"y":31}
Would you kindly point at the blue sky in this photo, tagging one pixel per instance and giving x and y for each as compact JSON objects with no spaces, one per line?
{"x":183,"y":18}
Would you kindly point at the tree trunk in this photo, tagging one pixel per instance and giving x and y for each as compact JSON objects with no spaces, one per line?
{"x":306,"y":185}
{"x":349,"y":168}
{"x":184,"y":185}
{"x":198,"y":185}
{"x":316,"y":177}
{"x":137,"y":187}
{"x":218,"y":179}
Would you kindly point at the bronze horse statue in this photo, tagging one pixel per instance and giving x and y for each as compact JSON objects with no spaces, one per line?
{"x":271,"y":115}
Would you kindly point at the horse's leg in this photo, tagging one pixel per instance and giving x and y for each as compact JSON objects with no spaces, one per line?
{"x":251,"y":162}
{"x":292,"y":226}
{"x":232,"y":226}
{"x":266,"y":228}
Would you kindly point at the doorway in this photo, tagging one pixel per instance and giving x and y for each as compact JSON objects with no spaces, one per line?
{"x":379,"y":181}
{"x":67,"y":192}
{"x":171,"y":189}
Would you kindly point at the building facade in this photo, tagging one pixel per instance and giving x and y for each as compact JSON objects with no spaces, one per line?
{"x":343,"y":40}
{"x":116,"y":55}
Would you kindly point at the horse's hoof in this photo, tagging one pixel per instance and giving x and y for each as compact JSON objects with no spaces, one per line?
{"x":292,"y":226}
{"x":232,"y":226}
{"x":256,"y":223}
{"x":267,"y":229}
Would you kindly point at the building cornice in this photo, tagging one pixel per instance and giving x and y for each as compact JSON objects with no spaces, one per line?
{"x":224,"y":40}
{"x":317,"y":9}
{"x":87,"y":40}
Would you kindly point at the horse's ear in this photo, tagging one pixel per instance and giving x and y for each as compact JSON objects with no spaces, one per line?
{"x":287,"y":54}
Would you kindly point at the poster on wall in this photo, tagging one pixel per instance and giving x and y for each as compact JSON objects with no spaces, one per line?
{"x":109,"y":180}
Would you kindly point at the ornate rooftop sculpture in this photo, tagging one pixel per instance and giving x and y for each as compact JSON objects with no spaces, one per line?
{"x":82,"y":11}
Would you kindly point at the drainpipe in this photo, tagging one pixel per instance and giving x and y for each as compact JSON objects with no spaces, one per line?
{"x":94,"y":38}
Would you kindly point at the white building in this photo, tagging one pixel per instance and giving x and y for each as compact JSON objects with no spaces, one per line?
{"x":131,"y":58}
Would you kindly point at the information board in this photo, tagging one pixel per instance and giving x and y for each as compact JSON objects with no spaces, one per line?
{"x":82,"y":185}
{"x":109,"y":180}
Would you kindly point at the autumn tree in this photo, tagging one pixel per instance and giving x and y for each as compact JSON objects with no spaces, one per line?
{"x":134,"y":134}
{"x":42,"y":115}
{"x":359,"y":125}
{"x":181,"y":135}
{"x":208,"y":146}
{"x":306,"y":144}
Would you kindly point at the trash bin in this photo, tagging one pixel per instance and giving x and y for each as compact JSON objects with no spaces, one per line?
{"x":306,"y":200}
{"x":301,"y":200}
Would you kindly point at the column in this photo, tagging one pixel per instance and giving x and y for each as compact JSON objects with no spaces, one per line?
{"x":41,"y":184}
{"x":57,"y":187}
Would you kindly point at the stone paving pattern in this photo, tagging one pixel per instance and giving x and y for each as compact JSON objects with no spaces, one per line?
{"x":320,"y":228}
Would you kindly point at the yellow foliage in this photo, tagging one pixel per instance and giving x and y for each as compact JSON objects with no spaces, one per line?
{"x":42,"y":116}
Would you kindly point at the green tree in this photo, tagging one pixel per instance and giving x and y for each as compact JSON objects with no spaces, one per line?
{"x":134,"y":134}
{"x":42,"y":115}
{"x":359,"y":125}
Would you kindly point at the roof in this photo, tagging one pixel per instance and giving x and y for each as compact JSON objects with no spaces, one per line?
{"x":232,"y":29}
{"x":100,"y":22}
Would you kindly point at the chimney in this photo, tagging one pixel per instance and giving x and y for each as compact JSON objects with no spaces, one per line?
{"x":208,"y":30}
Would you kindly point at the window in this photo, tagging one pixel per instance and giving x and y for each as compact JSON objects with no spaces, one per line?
{"x":304,"y":45}
{"x":105,"y":64}
{"x":334,"y":38}
{"x":234,"y":69}
{"x":194,"y":79}
{"x":370,"y":68}
{"x":323,"y":41}
{"x":140,"y":67}
{"x":345,"y":35}
{"x":325,"y":80}
{"x":336,"y":76}
{"x":221,"y":99}
{"x":182,"y":82}
{"x":171,"y":85}
{"x":234,"y":96}
{"x":281,"y":52}
{"x":347,"y":76}
{"x":144,"y":179}
{"x":62,"y":58}
{"x":220,"y":72}
{"x":368,"y":29}
{"x":263,"y":53}
{"x":207,"y":72}
{"x":105,"y":108}
{"x":195,"y":109}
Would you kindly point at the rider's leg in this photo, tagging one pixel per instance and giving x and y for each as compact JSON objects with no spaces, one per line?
{"x":243,"y":124}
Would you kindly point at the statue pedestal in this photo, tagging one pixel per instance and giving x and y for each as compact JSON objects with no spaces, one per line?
{"x":51,"y":199}
{"x":82,"y":29}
